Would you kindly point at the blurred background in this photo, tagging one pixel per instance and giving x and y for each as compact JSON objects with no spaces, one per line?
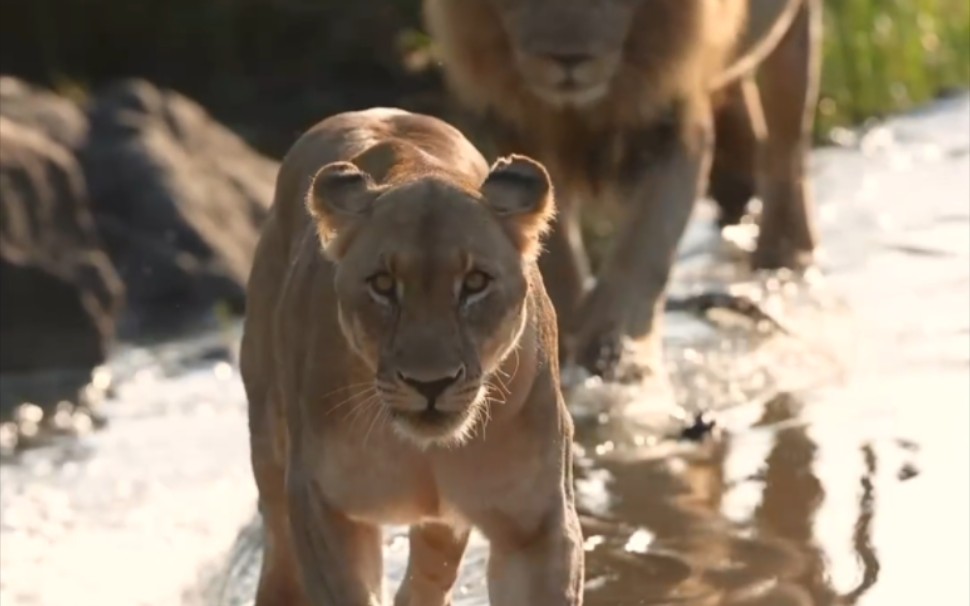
{"x":138,"y":147}
{"x":268,"y":68}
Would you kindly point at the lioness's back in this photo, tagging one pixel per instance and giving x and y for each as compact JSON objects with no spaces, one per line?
{"x":346,"y":135}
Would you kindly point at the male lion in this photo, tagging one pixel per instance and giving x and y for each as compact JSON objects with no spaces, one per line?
{"x":407,"y":372}
{"x":617,"y":98}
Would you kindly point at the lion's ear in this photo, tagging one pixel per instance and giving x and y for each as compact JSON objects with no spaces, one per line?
{"x":519,"y":191}
{"x":339,"y":199}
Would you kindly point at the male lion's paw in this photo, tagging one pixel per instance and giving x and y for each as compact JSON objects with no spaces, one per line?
{"x":601,"y":355}
{"x":601,"y":347}
{"x":775,"y":252}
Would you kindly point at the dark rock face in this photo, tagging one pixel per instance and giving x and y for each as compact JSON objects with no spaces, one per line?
{"x":177,"y":198}
{"x":59,"y":294}
{"x":271,"y":67}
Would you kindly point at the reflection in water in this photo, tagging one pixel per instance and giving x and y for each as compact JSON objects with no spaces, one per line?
{"x":792,"y":495}
{"x":772,"y":552}
{"x":862,"y":537}
{"x":697,"y":556}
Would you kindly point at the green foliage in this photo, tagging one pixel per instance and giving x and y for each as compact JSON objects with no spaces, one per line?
{"x":883,"y":56}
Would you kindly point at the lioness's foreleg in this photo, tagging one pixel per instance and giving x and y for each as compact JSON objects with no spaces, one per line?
{"x":433,"y":562}
{"x":279,"y":581}
{"x":339,"y":559}
{"x":789,"y":91}
{"x":546,"y":570}
{"x":663,"y":182}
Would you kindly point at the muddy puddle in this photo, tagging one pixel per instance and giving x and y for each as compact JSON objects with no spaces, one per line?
{"x":838,"y":470}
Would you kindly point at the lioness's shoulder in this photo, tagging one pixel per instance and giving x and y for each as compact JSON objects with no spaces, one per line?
{"x":348,"y":135}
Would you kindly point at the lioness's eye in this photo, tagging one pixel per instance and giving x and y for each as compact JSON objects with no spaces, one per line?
{"x":383,"y":285}
{"x":474,"y":283}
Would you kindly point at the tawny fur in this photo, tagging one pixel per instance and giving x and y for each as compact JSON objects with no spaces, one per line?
{"x":666,"y":63}
{"x":630,"y":138}
{"x":343,"y":438}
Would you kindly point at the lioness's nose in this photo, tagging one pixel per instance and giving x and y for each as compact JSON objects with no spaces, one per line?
{"x":569,"y":61}
{"x":433,"y":388}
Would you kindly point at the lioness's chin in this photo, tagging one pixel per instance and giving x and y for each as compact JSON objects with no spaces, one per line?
{"x":434,"y":428}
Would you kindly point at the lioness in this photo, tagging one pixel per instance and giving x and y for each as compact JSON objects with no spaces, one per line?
{"x":617,"y":98}
{"x":399,"y":358}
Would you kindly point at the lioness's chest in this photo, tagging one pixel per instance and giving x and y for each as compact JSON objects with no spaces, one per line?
{"x":376,"y":483}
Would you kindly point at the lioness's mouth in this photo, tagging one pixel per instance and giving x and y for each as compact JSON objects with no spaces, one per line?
{"x":432,"y":426}
{"x":430,"y":417}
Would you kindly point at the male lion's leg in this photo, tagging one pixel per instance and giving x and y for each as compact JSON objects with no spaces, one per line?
{"x":340,"y":559}
{"x":663,"y":183}
{"x":789,"y":90}
{"x":564,"y":265}
{"x":733,"y":182}
{"x":436,"y":552}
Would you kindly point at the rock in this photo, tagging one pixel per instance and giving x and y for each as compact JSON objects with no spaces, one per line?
{"x":60,"y":296}
{"x":178,"y":199}
{"x":58,"y":118}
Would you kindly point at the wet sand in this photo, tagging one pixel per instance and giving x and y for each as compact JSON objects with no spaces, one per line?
{"x":839,"y":471}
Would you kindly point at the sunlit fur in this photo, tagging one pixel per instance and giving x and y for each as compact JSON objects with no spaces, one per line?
{"x":360,"y":311}
{"x":423,"y":226}
{"x":642,"y":54}
{"x":617,"y":98}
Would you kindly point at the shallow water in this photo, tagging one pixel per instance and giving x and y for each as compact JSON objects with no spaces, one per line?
{"x":838,"y":472}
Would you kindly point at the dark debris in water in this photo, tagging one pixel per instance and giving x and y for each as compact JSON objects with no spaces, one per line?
{"x":907,"y":472}
{"x":702,"y":304}
{"x":702,"y":426}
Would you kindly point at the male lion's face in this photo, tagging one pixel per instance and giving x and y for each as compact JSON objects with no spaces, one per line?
{"x":568,"y":51}
{"x":431,"y":283}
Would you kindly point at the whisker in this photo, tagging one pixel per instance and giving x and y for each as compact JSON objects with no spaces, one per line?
{"x":485,"y":416}
{"x":364,"y":392}
{"x":517,"y":360}
{"x":503,"y":390}
{"x":378,"y":413}
{"x":504,"y":386}
{"x":360,"y":407}
{"x":507,"y":374}
{"x":487,"y":405}
{"x":346,"y":387}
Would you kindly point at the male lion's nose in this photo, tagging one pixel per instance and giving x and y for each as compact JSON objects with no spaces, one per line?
{"x":433,"y":388}
{"x":569,"y":61}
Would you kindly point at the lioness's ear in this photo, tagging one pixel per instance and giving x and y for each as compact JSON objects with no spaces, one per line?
{"x":519,"y":191}
{"x":339,"y":199}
